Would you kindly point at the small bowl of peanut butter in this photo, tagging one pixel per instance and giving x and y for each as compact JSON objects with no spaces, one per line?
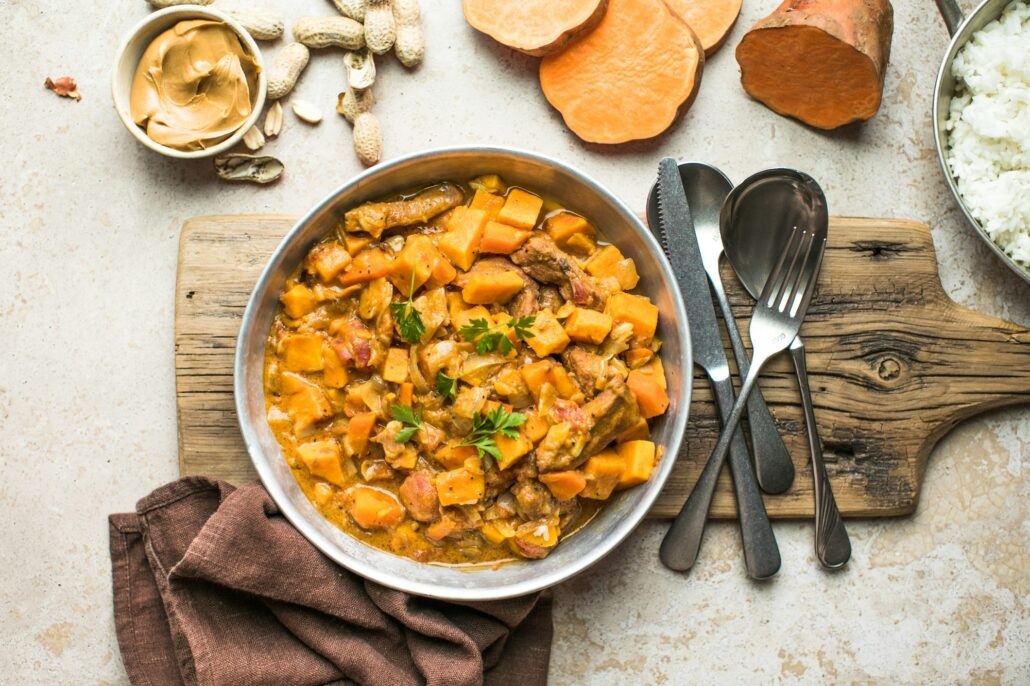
{"x":189,"y":82}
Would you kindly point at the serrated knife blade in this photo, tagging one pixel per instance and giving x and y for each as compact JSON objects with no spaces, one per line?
{"x":676,"y":234}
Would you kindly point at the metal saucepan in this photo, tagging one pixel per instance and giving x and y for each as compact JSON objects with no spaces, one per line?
{"x":961,"y":29}
{"x":620,"y":516}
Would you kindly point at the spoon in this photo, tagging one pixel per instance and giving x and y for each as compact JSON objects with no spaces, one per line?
{"x":757,"y":219}
{"x":707,"y":188}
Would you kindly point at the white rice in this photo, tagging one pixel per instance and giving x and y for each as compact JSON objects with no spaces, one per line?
{"x":989,"y":140}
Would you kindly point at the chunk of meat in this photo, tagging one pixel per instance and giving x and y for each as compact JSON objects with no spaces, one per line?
{"x":613,"y":411}
{"x":418,"y":493}
{"x":355,"y":344}
{"x":585,"y":366}
{"x":376,"y":217}
{"x":547,"y":263}
{"x":533,"y":500}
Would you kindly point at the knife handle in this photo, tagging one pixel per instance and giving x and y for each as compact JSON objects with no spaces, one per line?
{"x":761,"y":554}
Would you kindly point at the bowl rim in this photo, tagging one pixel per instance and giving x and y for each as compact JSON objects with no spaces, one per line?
{"x":623,"y":527}
{"x":170,"y":16}
{"x":984,"y":13}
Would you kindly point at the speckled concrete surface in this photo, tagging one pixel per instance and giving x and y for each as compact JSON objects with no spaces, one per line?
{"x":87,"y":417}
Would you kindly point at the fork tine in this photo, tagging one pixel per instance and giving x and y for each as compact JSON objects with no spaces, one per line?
{"x":811,"y":278}
{"x":773,"y":283}
{"x":797,"y":271}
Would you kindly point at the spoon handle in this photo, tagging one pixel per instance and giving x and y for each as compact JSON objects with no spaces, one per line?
{"x":832,"y":546}
{"x":773,"y":465}
{"x":682,"y":543}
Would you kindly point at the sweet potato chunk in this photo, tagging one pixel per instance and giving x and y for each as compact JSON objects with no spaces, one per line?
{"x":460,"y":487}
{"x":461,"y":242}
{"x":322,"y":459}
{"x":371,"y":508}
{"x":302,"y":352}
{"x":588,"y":326}
{"x":298,"y":301}
{"x":638,"y":457}
{"x":548,"y":335}
{"x":498,"y":287}
{"x":819,"y":61}
{"x":520,"y":209}
{"x":638,"y":311}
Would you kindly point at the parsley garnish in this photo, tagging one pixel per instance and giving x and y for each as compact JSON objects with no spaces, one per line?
{"x":405,"y":415}
{"x":496,"y":421}
{"x":488,"y":339}
{"x":446,"y":386}
{"x":409,"y":321}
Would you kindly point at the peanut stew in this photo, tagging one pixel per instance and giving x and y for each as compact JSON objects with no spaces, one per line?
{"x":464,"y":375}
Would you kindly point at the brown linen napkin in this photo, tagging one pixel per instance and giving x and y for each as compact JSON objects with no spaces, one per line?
{"x":213,"y":586}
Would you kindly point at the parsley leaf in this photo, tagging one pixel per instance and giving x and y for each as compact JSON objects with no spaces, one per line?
{"x":405,"y":415}
{"x":488,"y":339}
{"x":408,"y":319}
{"x":484,"y":427}
{"x":446,"y":386}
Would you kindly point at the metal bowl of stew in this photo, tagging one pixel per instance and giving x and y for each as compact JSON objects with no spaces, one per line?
{"x":615,"y":521}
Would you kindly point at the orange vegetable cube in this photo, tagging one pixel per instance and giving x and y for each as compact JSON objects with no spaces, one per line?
{"x":535,"y":374}
{"x":486,"y":201}
{"x":636,"y":310}
{"x":356,"y":242}
{"x":460,"y":487}
{"x":359,"y":429}
{"x":322,"y":459}
{"x":465,"y":317}
{"x":395,"y":368}
{"x":588,"y":326}
{"x":461,"y":242}
{"x":491,"y":183}
{"x":502,"y":239}
{"x":548,"y":335}
{"x":656,"y":369}
{"x":638,"y":357}
{"x":602,"y":473}
{"x":302,"y":352}
{"x":520,"y":209}
{"x":562,"y":382}
{"x":371,"y":508}
{"x":637,"y":432}
{"x":334,"y":374}
{"x":498,"y":287}
{"x":512,"y":449}
{"x":307,"y":407}
{"x":298,"y":301}
{"x":563,"y":226}
{"x":443,"y":273}
{"x":416,"y":260}
{"x":651,"y":397}
{"x":327,"y":260}
{"x":535,"y":427}
{"x":581,"y":244}
{"x":497,"y":531}
{"x":404,"y":395}
{"x":608,"y":261}
{"x":639,"y":458}
{"x":368,"y":265}
{"x":564,"y":485}
{"x":454,"y":456}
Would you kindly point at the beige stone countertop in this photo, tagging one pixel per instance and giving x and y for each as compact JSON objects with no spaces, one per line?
{"x":90,"y":223}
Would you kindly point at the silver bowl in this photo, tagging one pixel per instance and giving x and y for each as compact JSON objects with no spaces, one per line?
{"x":615,"y":521}
{"x":961,"y":28}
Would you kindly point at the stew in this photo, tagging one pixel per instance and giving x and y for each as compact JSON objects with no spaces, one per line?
{"x":464,"y":375}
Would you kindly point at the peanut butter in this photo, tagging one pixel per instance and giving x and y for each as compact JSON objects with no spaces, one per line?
{"x":193,"y":86}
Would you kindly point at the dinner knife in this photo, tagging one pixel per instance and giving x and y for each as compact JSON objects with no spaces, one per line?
{"x":676,"y":233}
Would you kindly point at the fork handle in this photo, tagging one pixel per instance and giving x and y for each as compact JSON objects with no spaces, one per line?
{"x":832,"y":546}
{"x":682,"y":543}
{"x":773,"y":466}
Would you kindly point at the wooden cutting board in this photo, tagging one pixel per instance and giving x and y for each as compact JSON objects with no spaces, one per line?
{"x":894,"y":364}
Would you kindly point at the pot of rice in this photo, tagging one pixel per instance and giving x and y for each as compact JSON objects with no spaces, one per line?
{"x":982,"y":122}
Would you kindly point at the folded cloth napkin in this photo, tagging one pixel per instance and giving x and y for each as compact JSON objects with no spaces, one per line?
{"x":213,"y":586}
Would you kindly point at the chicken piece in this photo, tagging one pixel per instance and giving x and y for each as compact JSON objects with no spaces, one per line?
{"x":547,"y":263}
{"x":613,"y":411}
{"x":376,"y":217}
{"x":418,"y":494}
{"x":585,"y":366}
{"x":355,"y":344}
{"x":533,"y":500}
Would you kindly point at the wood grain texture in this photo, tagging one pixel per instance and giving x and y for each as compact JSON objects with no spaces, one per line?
{"x":894,"y":364}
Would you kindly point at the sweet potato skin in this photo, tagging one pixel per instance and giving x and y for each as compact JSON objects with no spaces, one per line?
{"x":483,"y":16}
{"x":596,"y":83}
{"x":866,"y":26}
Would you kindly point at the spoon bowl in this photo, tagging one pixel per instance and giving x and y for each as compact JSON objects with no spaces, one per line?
{"x":759,"y":216}
{"x":706,"y":188}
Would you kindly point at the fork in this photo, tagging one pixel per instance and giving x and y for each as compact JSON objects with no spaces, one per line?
{"x":774,"y":324}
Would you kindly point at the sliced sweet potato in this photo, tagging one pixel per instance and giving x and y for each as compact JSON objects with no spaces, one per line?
{"x":711,"y":20}
{"x":628,"y":79}
{"x":535,"y":27}
{"x":819,"y":61}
